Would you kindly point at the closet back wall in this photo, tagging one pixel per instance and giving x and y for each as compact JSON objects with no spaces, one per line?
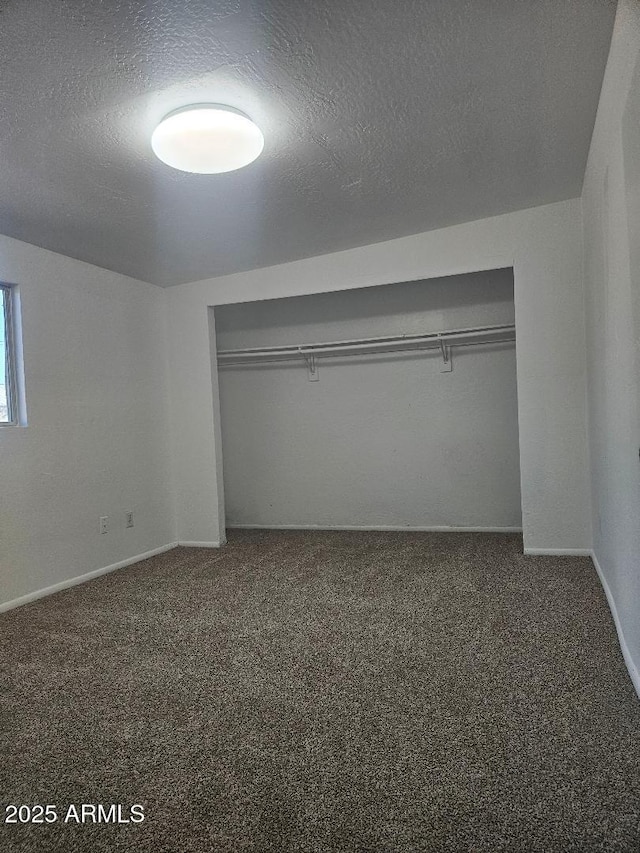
{"x":379,"y":440}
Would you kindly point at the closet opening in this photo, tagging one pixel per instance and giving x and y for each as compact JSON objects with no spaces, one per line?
{"x":391,"y":407}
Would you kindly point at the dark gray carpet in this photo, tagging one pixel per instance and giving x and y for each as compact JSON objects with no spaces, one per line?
{"x":326,"y":692}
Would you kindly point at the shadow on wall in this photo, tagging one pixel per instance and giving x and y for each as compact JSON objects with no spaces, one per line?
{"x":416,"y":306}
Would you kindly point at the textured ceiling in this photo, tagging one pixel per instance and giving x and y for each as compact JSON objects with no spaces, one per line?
{"x":381,"y":119}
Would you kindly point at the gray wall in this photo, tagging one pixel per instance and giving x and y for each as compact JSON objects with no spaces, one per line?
{"x":378,"y":441}
{"x":97,"y":442}
{"x":611,"y":206}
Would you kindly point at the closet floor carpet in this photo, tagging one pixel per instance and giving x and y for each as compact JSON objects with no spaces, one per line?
{"x":324,"y":691}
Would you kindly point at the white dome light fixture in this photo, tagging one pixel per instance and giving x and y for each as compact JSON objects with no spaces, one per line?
{"x":207,"y":139}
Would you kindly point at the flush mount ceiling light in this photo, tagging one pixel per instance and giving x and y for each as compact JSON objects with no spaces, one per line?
{"x":207,"y":139}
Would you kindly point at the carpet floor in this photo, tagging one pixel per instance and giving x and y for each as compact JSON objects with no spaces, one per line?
{"x":324,"y":691}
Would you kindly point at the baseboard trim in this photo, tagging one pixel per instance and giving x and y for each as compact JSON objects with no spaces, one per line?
{"x":558,"y":552}
{"x":216,"y":544}
{"x":58,"y":587}
{"x":383,"y":527}
{"x":634,"y":673}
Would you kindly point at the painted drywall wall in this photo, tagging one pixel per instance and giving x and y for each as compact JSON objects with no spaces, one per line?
{"x":611,"y":202}
{"x":96,"y":442}
{"x":387,"y":441}
{"x":544,"y":246}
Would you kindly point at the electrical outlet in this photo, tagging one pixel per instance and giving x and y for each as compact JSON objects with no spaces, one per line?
{"x":104,"y":524}
{"x":129,"y":519}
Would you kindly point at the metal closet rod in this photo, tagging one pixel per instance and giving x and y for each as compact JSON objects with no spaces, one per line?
{"x":393,"y":343}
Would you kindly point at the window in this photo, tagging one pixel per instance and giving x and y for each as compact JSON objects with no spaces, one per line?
{"x":8,"y":388}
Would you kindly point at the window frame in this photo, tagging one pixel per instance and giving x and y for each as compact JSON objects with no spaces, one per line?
{"x":10,"y":355}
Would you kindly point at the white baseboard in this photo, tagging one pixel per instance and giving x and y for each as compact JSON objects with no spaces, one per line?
{"x":216,"y":544}
{"x":559,"y":552}
{"x":57,"y":587}
{"x":626,"y":654}
{"x":383,"y":527}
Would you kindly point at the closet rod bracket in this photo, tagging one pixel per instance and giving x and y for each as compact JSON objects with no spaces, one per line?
{"x":312,"y":366}
{"x":445,"y":349}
